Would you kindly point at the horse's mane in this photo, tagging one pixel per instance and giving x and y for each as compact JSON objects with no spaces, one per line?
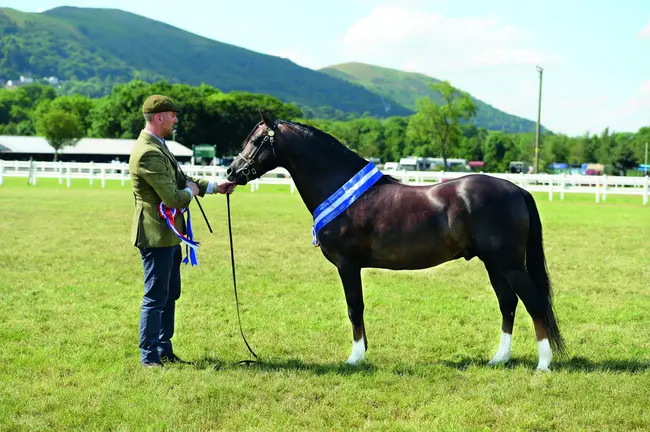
{"x":308,"y":130}
{"x":313,"y":132}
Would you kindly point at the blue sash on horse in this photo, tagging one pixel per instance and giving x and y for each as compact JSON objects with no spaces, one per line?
{"x":344,"y":197}
{"x":191,"y":245}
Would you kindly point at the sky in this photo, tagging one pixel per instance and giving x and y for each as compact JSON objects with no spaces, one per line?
{"x":596,"y":67}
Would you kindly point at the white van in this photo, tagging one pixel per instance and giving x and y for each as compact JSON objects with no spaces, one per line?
{"x":391,"y":166}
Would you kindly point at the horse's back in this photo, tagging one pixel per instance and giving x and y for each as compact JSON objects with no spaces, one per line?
{"x":471,"y":193}
{"x":482,"y":186}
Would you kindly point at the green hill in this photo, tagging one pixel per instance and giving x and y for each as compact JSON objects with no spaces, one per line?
{"x":114,"y":46}
{"x":406,"y":88}
{"x":94,"y":49}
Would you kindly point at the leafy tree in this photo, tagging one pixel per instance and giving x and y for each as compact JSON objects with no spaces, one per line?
{"x":555,"y":149}
{"x":60,"y":128}
{"x":623,"y":155}
{"x":640,"y":139}
{"x":396,"y":138}
{"x":441,"y":124}
{"x":496,"y":147}
{"x":79,"y":105}
{"x":471,"y":145}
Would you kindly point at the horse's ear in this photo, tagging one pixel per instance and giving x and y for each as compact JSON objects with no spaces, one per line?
{"x":267,"y":119}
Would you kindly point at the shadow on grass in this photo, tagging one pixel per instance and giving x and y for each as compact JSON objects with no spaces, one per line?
{"x":581,"y":364}
{"x":573,"y":364}
{"x":338,"y":368}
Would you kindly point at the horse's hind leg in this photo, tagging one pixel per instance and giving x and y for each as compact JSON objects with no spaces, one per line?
{"x":351,"y":278}
{"x":508,"y":304}
{"x":536,"y":305}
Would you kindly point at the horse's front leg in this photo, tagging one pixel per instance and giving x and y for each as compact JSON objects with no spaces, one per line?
{"x":351,"y":278}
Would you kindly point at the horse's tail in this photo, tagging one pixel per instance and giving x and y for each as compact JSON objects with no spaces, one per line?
{"x":536,"y":265}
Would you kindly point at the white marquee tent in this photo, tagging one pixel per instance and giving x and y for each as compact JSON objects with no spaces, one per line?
{"x":87,"y":147}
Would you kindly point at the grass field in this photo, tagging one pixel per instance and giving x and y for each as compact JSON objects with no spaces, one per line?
{"x":71,"y":286}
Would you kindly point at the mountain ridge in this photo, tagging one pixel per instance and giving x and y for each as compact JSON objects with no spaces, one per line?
{"x":406,"y":87}
{"x":105,"y":46}
{"x":109,"y":44}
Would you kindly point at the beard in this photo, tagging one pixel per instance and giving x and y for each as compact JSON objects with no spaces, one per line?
{"x":169,"y":132}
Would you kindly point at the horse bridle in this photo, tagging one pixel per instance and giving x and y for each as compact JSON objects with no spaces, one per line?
{"x":248,"y":167}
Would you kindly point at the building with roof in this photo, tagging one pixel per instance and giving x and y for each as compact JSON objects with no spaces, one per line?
{"x":86,"y":150}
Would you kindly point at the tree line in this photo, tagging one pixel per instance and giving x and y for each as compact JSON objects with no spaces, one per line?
{"x":438,"y":128}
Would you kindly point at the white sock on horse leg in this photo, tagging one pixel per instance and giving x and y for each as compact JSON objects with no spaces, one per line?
{"x":545,"y":355}
{"x":358,"y":351}
{"x":503,"y":352}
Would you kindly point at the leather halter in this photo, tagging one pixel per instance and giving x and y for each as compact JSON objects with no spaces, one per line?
{"x":250,"y":165}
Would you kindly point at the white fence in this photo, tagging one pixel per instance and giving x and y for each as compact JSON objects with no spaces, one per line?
{"x":600,"y":186}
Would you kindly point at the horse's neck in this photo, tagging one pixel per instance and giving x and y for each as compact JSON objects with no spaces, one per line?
{"x":320,"y":170}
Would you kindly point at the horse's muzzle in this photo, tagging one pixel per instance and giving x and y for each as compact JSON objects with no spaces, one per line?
{"x":241,"y":175}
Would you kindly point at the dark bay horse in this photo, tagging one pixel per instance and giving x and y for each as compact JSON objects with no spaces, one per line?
{"x":397,"y":226}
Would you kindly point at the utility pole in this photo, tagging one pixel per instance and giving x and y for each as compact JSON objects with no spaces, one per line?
{"x":539,"y":111}
{"x":646,"y":159}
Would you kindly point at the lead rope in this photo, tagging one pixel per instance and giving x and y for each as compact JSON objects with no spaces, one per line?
{"x":234,"y":281}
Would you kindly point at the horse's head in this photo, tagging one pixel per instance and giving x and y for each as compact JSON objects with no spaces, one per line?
{"x":258,"y":154}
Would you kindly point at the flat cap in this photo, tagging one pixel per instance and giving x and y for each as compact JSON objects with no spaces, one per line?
{"x":159,"y":103}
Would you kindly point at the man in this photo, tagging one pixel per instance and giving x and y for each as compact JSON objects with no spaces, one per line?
{"x":156,"y":178}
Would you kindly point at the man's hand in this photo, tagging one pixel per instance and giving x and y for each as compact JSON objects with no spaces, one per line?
{"x":193,"y":186}
{"x":226,"y":187}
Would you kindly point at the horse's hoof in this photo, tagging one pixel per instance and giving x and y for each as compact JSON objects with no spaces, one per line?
{"x":497,"y":361}
{"x":543,"y":369}
{"x":352,"y":361}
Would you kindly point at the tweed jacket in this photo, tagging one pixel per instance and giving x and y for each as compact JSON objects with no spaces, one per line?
{"x":156,"y":178}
